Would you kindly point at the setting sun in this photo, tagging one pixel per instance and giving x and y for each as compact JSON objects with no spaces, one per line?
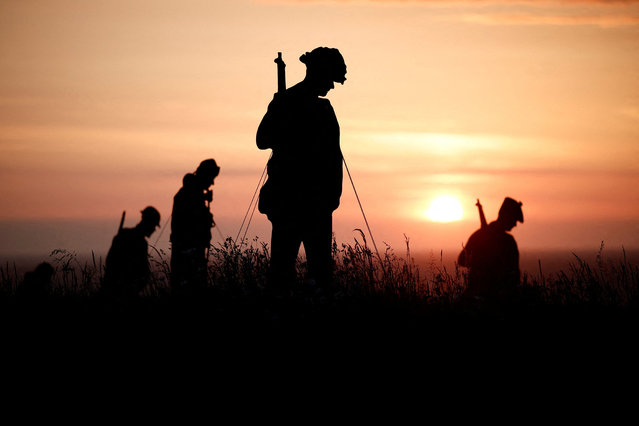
{"x":444,"y":208}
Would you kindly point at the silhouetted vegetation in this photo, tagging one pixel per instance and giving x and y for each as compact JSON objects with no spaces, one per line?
{"x":370,"y":292}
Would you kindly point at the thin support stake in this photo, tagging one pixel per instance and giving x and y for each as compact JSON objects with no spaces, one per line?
{"x":162,"y":230}
{"x":361,"y":208}
{"x":218,"y":230}
{"x":249,"y":222}
{"x":259,"y":184}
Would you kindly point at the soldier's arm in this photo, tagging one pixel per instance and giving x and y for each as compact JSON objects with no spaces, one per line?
{"x":271,"y":127}
{"x":142,"y":265}
{"x":464,"y":256}
{"x":462,"y":259}
{"x":514,"y":259}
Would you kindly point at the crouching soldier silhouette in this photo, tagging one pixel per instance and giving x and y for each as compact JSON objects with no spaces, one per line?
{"x":127,"y":265}
{"x":304,"y":182}
{"x":492,"y":256}
{"x":191,"y":225}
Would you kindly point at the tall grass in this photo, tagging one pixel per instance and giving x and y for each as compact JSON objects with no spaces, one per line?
{"x":606,"y":283}
{"x":238,"y":272}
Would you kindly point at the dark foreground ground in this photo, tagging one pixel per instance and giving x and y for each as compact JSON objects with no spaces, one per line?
{"x":322,"y":352}
{"x":334,"y":319}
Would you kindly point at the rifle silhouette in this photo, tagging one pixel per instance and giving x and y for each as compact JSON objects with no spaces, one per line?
{"x":482,"y":217}
{"x":281,"y":88}
{"x":281,"y":73}
{"x":122,"y":221}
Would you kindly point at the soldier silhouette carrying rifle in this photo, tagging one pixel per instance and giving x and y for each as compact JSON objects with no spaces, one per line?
{"x":127,"y":265}
{"x":191,"y":224}
{"x":491,"y":255}
{"x":304,"y":182}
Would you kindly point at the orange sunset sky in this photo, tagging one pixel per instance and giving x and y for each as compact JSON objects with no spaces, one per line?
{"x":105,"y":105}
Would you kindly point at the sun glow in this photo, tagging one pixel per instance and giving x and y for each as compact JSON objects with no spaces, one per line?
{"x":444,"y":208}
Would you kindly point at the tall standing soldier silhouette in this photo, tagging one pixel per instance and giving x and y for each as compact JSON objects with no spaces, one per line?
{"x":304,"y":182}
{"x":127,"y":269}
{"x":492,"y":256}
{"x":191,"y":224}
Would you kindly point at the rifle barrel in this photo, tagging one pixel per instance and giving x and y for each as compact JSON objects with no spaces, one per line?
{"x":122,"y":221}
{"x":482,"y":217}
{"x":281,"y":73}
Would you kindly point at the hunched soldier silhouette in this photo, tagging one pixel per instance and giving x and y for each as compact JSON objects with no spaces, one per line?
{"x":492,"y":256}
{"x":127,"y":265}
{"x":191,"y":224}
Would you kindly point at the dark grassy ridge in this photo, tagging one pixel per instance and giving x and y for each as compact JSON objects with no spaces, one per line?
{"x":384,"y":320}
{"x":372,"y":294}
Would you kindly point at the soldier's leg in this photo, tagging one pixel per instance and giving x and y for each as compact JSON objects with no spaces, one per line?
{"x":285,"y":243}
{"x":184,"y":270}
{"x":200,"y":268}
{"x":178,"y":268}
{"x":318,"y":240}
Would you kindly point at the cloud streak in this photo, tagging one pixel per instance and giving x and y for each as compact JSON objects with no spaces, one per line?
{"x":604,"y":21}
{"x":604,"y":13}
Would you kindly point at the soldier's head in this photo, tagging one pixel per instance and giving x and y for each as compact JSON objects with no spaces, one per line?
{"x":207,"y":171}
{"x":324,"y":66}
{"x":510,"y":213}
{"x":150,"y":220}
